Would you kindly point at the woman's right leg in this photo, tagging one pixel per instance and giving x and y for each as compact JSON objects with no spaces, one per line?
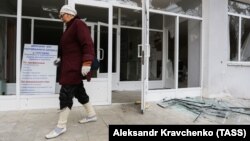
{"x":83,"y":98}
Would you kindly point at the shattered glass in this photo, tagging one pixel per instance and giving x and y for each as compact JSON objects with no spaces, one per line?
{"x":245,"y":40}
{"x":242,"y":9}
{"x":234,"y":37}
{"x":136,"y":3}
{"x":209,"y":107}
{"x":185,"y":7}
{"x":239,"y":8}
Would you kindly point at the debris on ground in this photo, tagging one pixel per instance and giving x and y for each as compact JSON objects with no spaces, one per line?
{"x":206,"y":106}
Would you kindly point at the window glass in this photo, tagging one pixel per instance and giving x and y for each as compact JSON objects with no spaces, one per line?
{"x":245,"y":39}
{"x":8,"y":7}
{"x":130,"y":68}
{"x":189,"y":53}
{"x":155,"y":60}
{"x":47,"y":32}
{"x":131,"y":17}
{"x":11,"y":50}
{"x":115,"y":16}
{"x":87,"y":13}
{"x":239,"y":33}
{"x":187,"y":7}
{"x":2,"y":56}
{"x":42,"y":8}
{"x":233,"y":37}
{"x":7,"y":53}
{"x":170,"y":39}
{"x":7,"y":46}
{"x":153,"y":18}
{"x":135,"y":3}
{"x":239,"y":7}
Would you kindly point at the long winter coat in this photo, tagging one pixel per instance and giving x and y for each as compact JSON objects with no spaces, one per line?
{"x":76,"y":46}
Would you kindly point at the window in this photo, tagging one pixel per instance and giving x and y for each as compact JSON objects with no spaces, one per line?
{"x":8,"y":11}
{"x":239,"y":31}
{"x":184,"y":7}
{"x":238,"y":7}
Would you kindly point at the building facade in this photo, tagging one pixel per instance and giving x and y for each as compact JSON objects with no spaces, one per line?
{"x":160,"y":48}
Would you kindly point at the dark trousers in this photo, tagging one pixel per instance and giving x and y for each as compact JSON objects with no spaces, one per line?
{"x":68,"y":92}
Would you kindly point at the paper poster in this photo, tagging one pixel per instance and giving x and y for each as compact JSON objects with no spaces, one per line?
{"x":38,"y":73}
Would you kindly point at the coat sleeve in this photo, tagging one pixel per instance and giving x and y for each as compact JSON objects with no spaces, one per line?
{"x":85,"y":40}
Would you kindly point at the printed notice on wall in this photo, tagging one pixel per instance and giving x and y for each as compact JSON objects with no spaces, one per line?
{"x":38,"y":73}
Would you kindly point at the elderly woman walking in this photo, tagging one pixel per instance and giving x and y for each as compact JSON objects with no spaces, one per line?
{"x":76,"y":54}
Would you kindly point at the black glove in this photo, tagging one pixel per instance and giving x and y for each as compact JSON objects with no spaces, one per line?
{"x":57,"y":61}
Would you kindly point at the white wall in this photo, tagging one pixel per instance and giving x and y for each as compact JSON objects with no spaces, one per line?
{"x":219,"y":77}
{"x":238,"y":81}
{"x":215,"y":46}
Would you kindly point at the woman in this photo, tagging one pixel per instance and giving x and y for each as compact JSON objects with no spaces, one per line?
{"x":76,"y":53}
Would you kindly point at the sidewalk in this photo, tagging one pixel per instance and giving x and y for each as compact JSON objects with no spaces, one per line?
{"x":32,"y":125}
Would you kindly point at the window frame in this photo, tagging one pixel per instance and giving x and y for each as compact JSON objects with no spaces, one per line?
{"x":239,"y":61}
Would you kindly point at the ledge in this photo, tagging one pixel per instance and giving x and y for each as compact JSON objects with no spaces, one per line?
{"x":240,"y":64}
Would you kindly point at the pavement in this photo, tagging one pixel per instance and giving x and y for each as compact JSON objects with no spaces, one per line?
{"x":33,"y":125}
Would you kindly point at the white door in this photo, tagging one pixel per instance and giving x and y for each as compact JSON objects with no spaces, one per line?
{"x":99,"y":88}
{"x":102,"y":48}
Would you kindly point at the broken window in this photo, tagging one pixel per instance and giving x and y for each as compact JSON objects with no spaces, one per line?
{"x":238,"y":7}
{"x":131,"y":17}
{"x":136,"y":3}
{"x":233,"y":35}
{"x":43,"y":8}
{"x":155,"y":60}
{"x":239,"y":31}
{"x":186,"y":7}
{"x":130,"y":70}
{"x":189,"y":53}
{"x":245,"y":39}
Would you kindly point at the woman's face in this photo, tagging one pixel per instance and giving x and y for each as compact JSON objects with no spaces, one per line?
{"x":65,"y":17}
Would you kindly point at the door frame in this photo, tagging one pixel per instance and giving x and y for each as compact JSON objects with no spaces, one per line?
{"x":145,"y":53}
{"x":104,"y":85}
{"x":176,"y":92}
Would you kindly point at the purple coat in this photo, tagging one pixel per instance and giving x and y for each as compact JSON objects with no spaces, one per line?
{"x":76,"y":46}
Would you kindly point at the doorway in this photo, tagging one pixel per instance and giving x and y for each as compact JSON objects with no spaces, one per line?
{"x":100,"y":26}
{"x":174,"y":42}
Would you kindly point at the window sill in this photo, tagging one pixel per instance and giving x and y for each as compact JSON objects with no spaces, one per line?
{"x":240,"y":64}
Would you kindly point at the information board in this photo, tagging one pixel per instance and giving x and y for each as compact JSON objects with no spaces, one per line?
{"x":38,"y":73}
